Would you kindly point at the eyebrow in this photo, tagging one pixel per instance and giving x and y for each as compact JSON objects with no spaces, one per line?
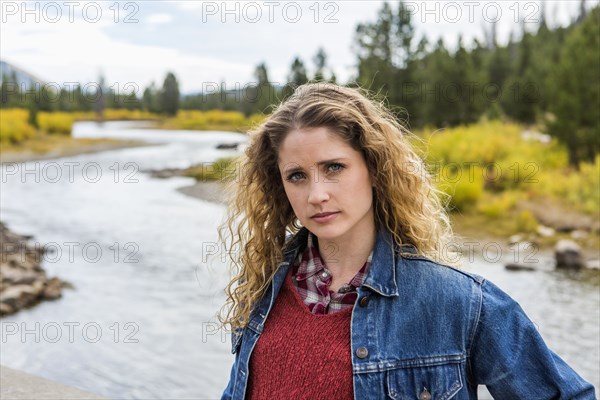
{"x":319,"y":164}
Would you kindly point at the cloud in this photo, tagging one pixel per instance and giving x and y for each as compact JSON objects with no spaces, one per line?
{"x":79,"y":51}
{"x":158,"y":19}
{"x":189,"y":5}
{"x":204,"y":47}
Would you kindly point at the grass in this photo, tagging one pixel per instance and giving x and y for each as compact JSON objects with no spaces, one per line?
{"x":50,"y":146}
{"x":223,"y":169}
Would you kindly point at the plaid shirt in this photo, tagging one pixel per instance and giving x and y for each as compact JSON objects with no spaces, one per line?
{"x":312,"y":279}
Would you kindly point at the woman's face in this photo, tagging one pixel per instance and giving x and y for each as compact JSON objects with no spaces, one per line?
{"x":327,"y":184}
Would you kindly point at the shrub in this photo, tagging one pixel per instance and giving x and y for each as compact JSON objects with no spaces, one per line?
{"x":496,"y":206}
{"x":465,"y":189}
{"x":56,"y":122}
{"x":526,"y":222}
{"x":222,"y":169}
{"x":211,"y":120}
{"x":123,"y":114}
{"x":14,"y":126}
{"x":579,"y":189}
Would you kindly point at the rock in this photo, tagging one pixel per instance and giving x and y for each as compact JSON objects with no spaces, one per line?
{"x":568,"y":255}
{"x":545,"y":231}
{"x":536,"y":136}
{"x":17,"y":276}
{"x":53,"y":289}
{"x":167,"y":173}
{"x":515,"y":238}
{"x":39,"y":286}
{"x":579,"y":234}
{"x":23,"y":282}
{"x":228,"y":146}
{"x":519,"y":267}
{"x":19,"y":296}
{"x":6,"y":309}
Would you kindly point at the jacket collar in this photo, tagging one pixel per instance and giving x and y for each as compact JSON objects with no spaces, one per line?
{"x":381,"y":275}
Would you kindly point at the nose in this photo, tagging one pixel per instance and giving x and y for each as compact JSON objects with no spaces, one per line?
{"x":318,"y":192}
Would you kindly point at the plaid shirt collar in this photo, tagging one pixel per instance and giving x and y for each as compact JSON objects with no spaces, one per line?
{"x":312,"y":280}
{"x":311,"y":264}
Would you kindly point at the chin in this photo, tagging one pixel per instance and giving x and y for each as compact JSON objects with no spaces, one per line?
{"x":324,"y":232}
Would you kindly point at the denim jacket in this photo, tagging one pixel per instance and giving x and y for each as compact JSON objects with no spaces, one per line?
{"x":423,"y":330}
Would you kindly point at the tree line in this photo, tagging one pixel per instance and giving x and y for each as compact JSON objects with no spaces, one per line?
{"x":550,"y":77}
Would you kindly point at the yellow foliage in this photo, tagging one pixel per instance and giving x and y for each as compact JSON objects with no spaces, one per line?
{"x":14,"y":126}
{"x":496,"y":206}
{"x":56,"y":122}
{"x":505,"y":168}
{"x":116,"y":114}
{"x":482,"y":143}
{"x":211,"y":120}
{"x":127,"y":115}
{"x":526,"y":222}
{"x":464,"y":188}
{"x":508,"y":161}
{"x":579,"y":189}
{"x":223,"y":169}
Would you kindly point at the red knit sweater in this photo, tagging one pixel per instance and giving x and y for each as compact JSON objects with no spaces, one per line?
{"x":301,"y":355}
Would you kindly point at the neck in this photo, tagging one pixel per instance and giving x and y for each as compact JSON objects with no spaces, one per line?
{"x":344,"y":257}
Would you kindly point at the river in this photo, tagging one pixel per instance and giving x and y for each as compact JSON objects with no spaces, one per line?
{"x":148,"y":273}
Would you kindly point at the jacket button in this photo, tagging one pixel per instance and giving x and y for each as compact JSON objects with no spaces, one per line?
{"x":364,"y":301}
{"x":362,"y":352}
{"x":425,"y":395}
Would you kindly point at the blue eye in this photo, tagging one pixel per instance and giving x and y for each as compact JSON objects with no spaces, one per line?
{"x":295,"y":177}
{"x":335,"y":167}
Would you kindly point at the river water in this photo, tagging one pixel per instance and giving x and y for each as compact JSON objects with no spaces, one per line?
{"x":148,"y":273}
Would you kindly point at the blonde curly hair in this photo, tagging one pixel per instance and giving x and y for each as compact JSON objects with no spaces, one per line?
{"x":405,"y":200}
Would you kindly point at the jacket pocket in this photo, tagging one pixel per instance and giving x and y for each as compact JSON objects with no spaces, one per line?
{"x":430,"y":382}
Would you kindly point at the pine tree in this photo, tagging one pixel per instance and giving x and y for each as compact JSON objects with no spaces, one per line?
{"x":576,"y":105}
{"x":320,"y":60}
{"x":297,"y":76}
{"x":170,"y":95}
{"x":260,"y":97}
{"x":150,"y":100}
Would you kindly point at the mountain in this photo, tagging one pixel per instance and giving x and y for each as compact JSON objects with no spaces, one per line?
{"x":13,"y":73}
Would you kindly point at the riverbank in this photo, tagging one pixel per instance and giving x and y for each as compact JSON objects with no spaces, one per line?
{"x":56,"y":146}
{"x":18,"y":385}
{"x":23,"y":282}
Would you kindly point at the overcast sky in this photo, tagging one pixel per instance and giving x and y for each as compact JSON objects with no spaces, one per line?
{"x":204,"y":42}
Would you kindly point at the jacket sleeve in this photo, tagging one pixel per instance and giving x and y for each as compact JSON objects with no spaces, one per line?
{"x":236,"y":339}
{"x":228,"y":392}
{"x":509,"y":356}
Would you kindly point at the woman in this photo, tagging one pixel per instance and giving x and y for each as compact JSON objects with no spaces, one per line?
{"x":343,"y":289}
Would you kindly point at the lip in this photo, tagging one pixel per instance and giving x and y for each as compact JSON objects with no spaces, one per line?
{"x":324,"y":216}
